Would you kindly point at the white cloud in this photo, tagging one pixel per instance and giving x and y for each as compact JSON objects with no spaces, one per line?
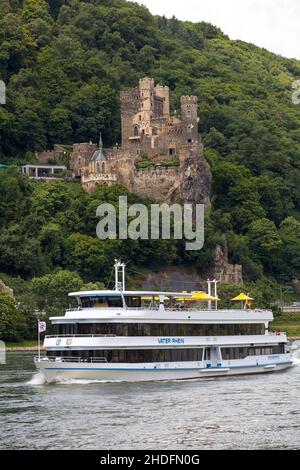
{"x":273,"y":24}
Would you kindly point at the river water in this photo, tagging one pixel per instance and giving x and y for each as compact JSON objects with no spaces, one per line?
{"x":258,"y":412}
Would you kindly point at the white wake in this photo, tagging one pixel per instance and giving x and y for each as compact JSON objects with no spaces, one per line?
{"x":37,"y":379}
{"x":83,"y":381}
{"x":295,"y":350}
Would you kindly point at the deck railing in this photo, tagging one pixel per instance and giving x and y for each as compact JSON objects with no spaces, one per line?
{"x":268,"y":333}
{"x":59,"y":359}
{"x":71,"y":335}
{"x":183,"y":308}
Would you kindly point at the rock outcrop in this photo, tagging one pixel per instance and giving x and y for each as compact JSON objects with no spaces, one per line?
{"x":224,"y":271}
{"x":196,"y":177}
{"x":5,"y":289}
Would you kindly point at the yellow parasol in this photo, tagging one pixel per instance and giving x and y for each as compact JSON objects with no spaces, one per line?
{"x":203,"y":296}
{"x":243,"y":298}
{"x":197,"y":297}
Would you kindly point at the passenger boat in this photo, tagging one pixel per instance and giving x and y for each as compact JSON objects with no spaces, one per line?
{"x":121,"y":335}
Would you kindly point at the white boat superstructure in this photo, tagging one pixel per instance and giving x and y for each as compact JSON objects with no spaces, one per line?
{"x":120,"y":335}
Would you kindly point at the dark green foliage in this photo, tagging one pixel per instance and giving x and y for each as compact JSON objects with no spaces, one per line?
{"x":13,"y":322}
{"x":51,"y":290}
{"x":50,"y":225}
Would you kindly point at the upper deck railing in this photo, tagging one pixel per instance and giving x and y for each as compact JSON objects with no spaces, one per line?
{"x":168,"y":309}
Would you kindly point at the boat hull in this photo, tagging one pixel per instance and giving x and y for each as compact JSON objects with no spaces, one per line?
{"x":70,"y":371}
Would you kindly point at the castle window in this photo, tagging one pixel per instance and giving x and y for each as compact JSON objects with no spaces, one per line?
{"x":140,"y":117}
{"x":189,"y":141}
{"x":188,"y":113}
{"x":98,"y":167}
{"x":154,"y":131}
{"x":172,"y":151}
{"x":143,"y":131}
{"x":135,"y":131}
{"x":103,"y":167}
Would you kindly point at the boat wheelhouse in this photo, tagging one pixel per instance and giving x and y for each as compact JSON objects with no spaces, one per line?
{"x":121,"y":335}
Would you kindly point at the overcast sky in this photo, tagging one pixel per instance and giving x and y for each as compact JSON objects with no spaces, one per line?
{"x":273,"y":24}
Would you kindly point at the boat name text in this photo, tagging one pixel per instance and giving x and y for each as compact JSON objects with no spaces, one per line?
{"x":170,"y":340}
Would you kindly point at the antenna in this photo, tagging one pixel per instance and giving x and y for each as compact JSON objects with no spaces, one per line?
{"x":119,"y":268}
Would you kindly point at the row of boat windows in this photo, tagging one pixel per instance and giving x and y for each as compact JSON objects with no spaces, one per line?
{"x":136,"y":355}
{"x":167,"y":355}
{"x":241,"y":353}
{"x":160,"y":329}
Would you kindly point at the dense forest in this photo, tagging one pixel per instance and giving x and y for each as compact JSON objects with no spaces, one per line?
{"x":64,"y":63}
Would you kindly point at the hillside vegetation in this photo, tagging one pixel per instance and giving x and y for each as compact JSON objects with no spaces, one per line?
{"x":64,"y":63}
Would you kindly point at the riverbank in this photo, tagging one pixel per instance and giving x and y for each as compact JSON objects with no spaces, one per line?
{"x":28,"y":345}
{"x":289,"y":323}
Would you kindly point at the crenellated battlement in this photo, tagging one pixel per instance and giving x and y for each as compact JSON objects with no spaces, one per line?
{"x":189,"y":99}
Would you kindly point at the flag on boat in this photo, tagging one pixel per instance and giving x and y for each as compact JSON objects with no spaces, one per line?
{"x":42,"y":326}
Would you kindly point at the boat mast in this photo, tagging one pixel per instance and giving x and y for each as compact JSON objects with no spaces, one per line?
{"x":209,"y":283}
{"x":119,"y":268}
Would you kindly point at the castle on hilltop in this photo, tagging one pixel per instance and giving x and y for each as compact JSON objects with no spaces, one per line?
{"x":161,"y":156}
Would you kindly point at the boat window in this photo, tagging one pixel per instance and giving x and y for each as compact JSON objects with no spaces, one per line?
{"x":241,"y":353}
{"x":133,"y":301}
{"x":97,"y":301}
{"x":136,"y":355}
{"x":159,"y":329}
{"x":207,"y":354}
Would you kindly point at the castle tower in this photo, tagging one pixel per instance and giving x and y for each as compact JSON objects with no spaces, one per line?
{"x":163,"y":93}
{"x":130,"y":106}
{"x":189,"y":116}
{"x":146,"y":86}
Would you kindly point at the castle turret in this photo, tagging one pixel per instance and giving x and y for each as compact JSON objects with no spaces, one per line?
{"x":163,"y":93}
{"x":189,"y":116}
{"x":146,"y":86}
{"x":130,"y":105}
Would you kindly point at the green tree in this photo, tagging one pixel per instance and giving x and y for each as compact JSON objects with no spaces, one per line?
{"x":12,"y":319}
{"x":264,"y":240}
{"x":52,"y":290}
{"x":90,"y":256}
{"x":287,"y":263}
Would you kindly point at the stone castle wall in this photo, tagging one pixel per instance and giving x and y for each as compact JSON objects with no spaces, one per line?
{"x":81,"y":156}
{"x":45,"y":156}
{"x":158,"y":183}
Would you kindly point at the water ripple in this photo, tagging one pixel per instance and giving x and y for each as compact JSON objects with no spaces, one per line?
{"x":258,"y":412}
